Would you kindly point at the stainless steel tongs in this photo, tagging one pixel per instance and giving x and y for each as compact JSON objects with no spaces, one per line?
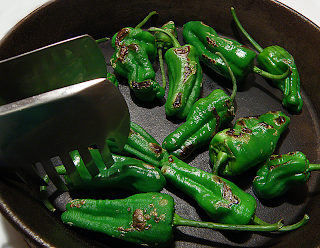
{"x":50,"y":111}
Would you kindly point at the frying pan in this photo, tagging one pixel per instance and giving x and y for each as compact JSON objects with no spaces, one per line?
{"x":269,"y":23}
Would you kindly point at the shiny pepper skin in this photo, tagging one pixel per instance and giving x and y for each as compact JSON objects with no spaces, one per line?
{"x":252,"y":140}
{"x":208,"y":42}
{"x":126,"y":173}
{"x":280,"y":172}
{"x":185,"y":77}
{"x":276,"y":59}
{"x":135,"y":50}
{"x":144,"y":218}
{"x":203,"y":121}
{"x":223,"y":201}
{"x":142,"y":145}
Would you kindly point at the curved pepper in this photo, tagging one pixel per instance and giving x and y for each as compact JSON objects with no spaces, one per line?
{"x":185,"y":77}
{"x":142,"y":145}
{"x":275,"y":59}
{"x":252,"y":140}
{"x":126,"y":173}
{"x":204,"y":120}
{"x":164,"y":42}
{"x":223,"y":201}
{"x":145,"y":219}
{"x":208,"y":42}
{"x":135,"y":50}
{"x":280,"y":172}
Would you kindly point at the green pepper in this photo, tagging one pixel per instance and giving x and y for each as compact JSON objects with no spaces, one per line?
{"x":280,"y":172}
{"x":135,"y":51}
{"x":185,"y":77}
{"x":240,"y":58}
{"x":204,"y":120}
{"x":145,"y":219}
{"x":275,"y":59}
{"x":126,"y":173}
{"x":164,"y":42}
{"x":141,"y":145}
{"x":252,"y":140}
{"x":221,"y":199}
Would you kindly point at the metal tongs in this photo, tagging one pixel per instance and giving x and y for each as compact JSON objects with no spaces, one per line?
{"x":57,"y":100}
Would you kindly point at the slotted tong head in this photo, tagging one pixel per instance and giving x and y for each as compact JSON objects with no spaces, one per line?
{"x":57,"y":100}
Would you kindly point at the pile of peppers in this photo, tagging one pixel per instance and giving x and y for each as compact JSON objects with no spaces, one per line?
{"x":144,"y":167}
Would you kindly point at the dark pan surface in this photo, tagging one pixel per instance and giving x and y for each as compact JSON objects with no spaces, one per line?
{"x":270,"y":23}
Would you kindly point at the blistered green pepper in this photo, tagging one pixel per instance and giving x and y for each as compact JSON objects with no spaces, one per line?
{"x":275,"y":59}
{"x":141,"y":145}
{"x":240,"y":58}
{"x":280,"y":172}
{"x":126,"y":173}
{"x":204,"y":120}
{"x":135,"y":51}
{"x":252,"y":140}
{"x":222,"y":200}
{"x":164,"y":42}
{"x":145,"y":219}
{"x":185,"y":77}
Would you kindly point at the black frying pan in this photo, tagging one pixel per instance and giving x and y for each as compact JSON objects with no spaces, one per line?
{"x":270,"y":23}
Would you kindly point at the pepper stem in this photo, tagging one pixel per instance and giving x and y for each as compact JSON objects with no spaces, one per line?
{"x":221,"y":158}
{"x":263,"y":227}
{"x":179,"y":221}
{"x":172,"y":37}
{"x":146,"y":19}
{"x":102,"y":40}
{"x":272,"y":76}
{"x":313,"y":167}
{"x":244,"y":32}
{"x":163,"y":74}
{"x":257,"y":221}
{"x":233,"y":78}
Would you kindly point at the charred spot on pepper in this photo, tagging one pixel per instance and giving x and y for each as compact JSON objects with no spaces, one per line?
{"x":157,"y":149}
{"x":139,"y":221}
{"x":211,"y":60}
{"x":273,"y":157}
{"x":186,"y":151}
{"x":217,"y":116}
{"x":187,"y":72}
{"x":280,"y":120}
{"x":211,"y":41}
{"x":77,"y":203}
{"x":123,"y":51}
{"x":133,"y":47}
{"x":241,"y":123}
{"x":230,"y":112}
{"x":266,"y":125}
{"x":170,"y":159}
{"x":227,"y":103}
{"x":246,"y":130}
{"x":231,"y":132}
{"x":177,"y":101}
{"x":140,"y":85}
{"x":132,"y":132}
{"x":272,"y":167}
{"x":182,"y":51}
{"x":227,"y":193}
{"x":121,"y":35}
